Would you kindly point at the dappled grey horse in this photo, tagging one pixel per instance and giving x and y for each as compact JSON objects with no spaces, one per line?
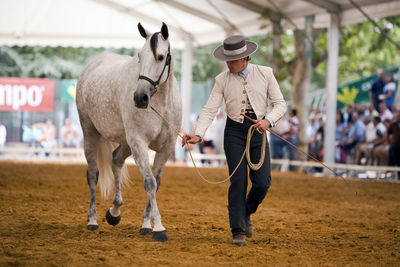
{"x":114,"y":93}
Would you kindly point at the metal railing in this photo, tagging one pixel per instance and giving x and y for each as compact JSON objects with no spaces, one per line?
{"x":38,"y":154}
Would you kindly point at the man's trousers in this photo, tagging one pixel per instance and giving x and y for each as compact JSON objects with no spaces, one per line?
{"x":241,"y":205}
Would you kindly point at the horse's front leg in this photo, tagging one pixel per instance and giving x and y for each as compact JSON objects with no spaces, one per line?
{"x":151,"y":212}
{"x":160,"y":159}
{"x":113,"y":215}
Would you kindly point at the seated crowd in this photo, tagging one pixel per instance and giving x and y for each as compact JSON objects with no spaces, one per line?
{"x":365,"y":136}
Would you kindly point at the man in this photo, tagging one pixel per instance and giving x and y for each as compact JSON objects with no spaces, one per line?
{"x":377,"y":89}
{"x":277,"y":144}
{"x":49,"y":132}
{"x":385,"y":113}
{"x":374,"y":136}
{"x":70,"y":134}
{"x":393,"y":138}
{"x":245,"y":88}
{"x":354,"y":136}
{"x":389,"y":91}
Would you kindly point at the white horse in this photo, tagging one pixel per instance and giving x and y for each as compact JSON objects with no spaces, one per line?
{"x":113,"y":97}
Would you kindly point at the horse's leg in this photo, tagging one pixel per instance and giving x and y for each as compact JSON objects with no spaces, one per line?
{"x":159,"y":161}
{"x":150,"y":186}
{"x":91,"y":139}
{"x":113,"y":215}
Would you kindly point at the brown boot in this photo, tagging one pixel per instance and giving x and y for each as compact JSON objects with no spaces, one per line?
{"x":238,"y":240}
{"x":248,"y":229}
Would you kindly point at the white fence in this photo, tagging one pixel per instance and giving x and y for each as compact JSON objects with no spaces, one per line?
{"x":76,"y":155}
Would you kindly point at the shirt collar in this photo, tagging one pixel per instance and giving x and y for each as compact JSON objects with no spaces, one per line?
{"x":244,"y":72}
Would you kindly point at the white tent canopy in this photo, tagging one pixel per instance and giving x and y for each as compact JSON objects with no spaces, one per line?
{"x":113,"y":23}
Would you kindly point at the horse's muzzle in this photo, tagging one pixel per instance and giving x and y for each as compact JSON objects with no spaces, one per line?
{"x":141,"y":99}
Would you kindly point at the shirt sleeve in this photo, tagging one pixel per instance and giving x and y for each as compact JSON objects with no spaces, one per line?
{"x":209,"y":111}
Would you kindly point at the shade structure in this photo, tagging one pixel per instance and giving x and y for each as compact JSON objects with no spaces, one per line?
{"x":113,"y":23}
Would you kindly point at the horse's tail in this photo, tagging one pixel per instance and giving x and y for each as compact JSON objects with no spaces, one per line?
{"x":104,"y":164}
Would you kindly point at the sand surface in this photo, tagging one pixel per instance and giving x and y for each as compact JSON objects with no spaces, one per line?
{"x":303,"y":221}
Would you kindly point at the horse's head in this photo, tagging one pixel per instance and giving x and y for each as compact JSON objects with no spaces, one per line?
{"x":155,"y":65}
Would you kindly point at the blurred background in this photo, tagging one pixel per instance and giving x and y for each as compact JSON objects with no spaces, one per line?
{"x":326,"y":55}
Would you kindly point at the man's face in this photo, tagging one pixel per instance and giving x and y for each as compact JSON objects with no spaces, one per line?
{"x":236,"y":66}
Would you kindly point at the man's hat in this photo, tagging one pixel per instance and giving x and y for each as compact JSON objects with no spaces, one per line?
{"x":235,"y":47}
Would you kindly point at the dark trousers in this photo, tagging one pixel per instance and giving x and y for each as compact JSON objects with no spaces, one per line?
{"x":240,"y":205}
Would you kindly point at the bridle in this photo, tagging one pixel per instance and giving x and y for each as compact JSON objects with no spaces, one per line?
{"x":157,"y":83}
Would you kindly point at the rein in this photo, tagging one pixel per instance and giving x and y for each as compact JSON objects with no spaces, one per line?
{"x":156,"y":83}
{"x":245,"y":152}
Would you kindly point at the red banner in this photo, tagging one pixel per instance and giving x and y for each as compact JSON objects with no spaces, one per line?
{"x":26,"y":94}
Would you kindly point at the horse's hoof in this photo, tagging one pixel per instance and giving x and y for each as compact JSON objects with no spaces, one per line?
{"x":160,"y":236}
{"x":92,"y":227}
{"x":111,"y":219}
{"x":145,"y":231}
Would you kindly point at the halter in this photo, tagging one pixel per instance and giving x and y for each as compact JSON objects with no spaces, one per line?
{"x":156,"y":83}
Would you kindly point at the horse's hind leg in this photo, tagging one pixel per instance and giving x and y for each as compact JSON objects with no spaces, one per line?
{"x":90,"y":147}
{"x":113,"y":215}
{"x":159,"y":161}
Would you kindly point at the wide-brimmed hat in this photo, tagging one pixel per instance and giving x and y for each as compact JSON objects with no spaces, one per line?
{"x":234,"y":47}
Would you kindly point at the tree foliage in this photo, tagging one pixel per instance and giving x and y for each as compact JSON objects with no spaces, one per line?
{"x":362,"y":51}
{"x":49,"y":62}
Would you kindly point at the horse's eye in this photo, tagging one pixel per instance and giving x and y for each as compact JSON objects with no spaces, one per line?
{"x":160,"y":57}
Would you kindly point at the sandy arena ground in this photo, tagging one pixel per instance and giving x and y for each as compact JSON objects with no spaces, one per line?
{"x":303,"y":221}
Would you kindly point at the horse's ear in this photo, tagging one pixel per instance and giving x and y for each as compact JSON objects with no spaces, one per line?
{"x":164,"y":31}
{"x":142,"y":31}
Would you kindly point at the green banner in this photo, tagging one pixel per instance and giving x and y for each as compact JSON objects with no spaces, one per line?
{"x":358,"y":91}
{"x":68,"y":90}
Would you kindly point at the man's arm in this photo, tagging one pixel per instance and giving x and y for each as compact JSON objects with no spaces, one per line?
{"x":210,"y":110}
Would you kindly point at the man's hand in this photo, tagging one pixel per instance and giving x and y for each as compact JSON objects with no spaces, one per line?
{"x":262,"y":125}
{"x":190,"y":138}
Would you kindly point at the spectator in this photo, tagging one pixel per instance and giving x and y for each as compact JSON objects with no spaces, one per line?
{"x":70,"y":134}
{"x":377,"y":89}
{"x":340,"y":155}
{"x":389,"y":91}
{"x":382,"y":151}
{"x":354,"y":135}
{"x":3,"y":136}
{"x":364,"y":111}
{"x":282,"y":128}
{"x":385,"y":113}
{"x":319,"y":141}
{"x":313,"y":137}
{"x":346,"y":114}
{"x":288,"y":130}
{"x":314,"y":113}
{"x":340,"y":126}
{"x":48,"y":137}
{"x":293,"y":133}
{"x":208,"y":145}
{"x":393,"y":137}
{"x":374,"y":137}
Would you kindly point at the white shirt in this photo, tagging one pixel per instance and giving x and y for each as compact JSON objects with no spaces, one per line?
{"x":260,"y":87}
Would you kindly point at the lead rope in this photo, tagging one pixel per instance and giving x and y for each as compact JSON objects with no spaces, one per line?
{"x":245,"y":152}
